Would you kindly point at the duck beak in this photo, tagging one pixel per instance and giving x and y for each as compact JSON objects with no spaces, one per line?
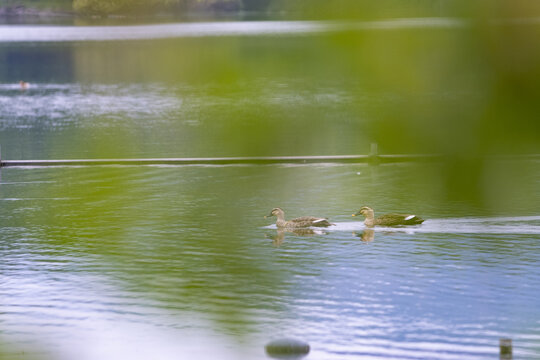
{"x":353,"y":215}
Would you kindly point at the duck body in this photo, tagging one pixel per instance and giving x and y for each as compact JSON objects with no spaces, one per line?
{"x":301,"y":222}
{"x":387,"y":219}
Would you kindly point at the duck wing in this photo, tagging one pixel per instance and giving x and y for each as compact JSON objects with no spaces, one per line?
{"x":322,"y":223}
{"x":413,"y":220}
{"x":307,"y":221}
{"x":398,"y":219}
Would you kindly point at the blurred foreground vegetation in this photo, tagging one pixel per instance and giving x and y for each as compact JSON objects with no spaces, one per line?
{"x":467,"y":89}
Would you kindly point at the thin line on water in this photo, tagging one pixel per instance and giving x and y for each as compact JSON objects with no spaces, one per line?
{"x":209,"y":29}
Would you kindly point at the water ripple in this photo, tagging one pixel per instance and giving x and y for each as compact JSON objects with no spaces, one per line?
{"x":136,"y":257}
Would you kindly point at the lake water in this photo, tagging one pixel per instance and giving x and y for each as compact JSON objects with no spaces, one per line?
{"x":168,"y":262}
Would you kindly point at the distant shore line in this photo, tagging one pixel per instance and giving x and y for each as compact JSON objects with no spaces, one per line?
{"x":20,"y":11}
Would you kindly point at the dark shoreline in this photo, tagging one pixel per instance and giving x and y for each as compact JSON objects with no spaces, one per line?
{"x":17,"y":12}
{"x":22,"y":13}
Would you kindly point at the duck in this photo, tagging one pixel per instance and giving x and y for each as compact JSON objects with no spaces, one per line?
{"x":301,"y":222}
{"x":387,"y":219}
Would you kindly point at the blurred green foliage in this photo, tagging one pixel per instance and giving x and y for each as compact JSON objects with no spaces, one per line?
{"x":464,"y":85}
{"x":369,"y":9}
{"x":467,"y":90}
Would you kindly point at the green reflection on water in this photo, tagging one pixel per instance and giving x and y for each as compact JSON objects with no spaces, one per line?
{"x":465,"y":91}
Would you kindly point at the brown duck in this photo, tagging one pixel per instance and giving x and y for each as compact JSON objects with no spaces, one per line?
{"x":387,"y":219}
{"x":301,"y":222}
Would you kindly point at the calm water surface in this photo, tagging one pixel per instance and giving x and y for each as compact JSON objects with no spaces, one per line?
{"x":178,"y":261}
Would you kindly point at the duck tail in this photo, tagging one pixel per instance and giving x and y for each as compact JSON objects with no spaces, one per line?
{"x":322,"y":223}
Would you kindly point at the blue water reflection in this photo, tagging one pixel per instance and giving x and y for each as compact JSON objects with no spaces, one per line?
{"x":179,"y":261}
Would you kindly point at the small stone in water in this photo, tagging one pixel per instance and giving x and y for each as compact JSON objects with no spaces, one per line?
{"x":287,"y":349}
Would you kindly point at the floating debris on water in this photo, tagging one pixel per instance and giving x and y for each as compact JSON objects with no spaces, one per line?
{"x":287,"y":349}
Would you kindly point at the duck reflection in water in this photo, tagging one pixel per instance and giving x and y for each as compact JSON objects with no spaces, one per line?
{"x":368,"y":235}
{"x":278,"y":238}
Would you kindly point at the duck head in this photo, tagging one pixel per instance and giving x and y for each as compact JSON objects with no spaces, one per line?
{"x":364,"y":210}
{"x":275,"y":212}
